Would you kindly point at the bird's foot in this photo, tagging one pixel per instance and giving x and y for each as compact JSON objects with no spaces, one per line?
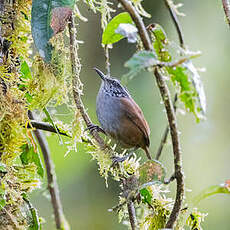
{"x":96,"y":128}
{"x":117,"y":160}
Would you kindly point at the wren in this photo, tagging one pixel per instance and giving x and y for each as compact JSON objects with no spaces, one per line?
{"x":120,"y":116}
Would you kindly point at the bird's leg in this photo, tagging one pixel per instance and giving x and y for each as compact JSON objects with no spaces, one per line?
{"x":117,"y":160}
{"x":97,"y":128}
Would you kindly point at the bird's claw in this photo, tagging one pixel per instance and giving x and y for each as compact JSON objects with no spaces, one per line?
{"x":117,"y":160}
{"x":96,"y":128}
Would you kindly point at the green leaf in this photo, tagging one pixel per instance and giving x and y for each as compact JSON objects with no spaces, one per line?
{"x":2,"y":202}
{"x":29,"y":156}
{"x":40,"y":24}
{"x":28,"y":97}
{"x":61,"y":3}
{"x":212,"y":190}
{"x":109,"y":36}
{"x":24,"y":77}
{"x":151,"y":170}
{"x":50,"y":120}
{"x":146,"y":196}
{"x":129,"y":31}
{"x":197,"y":84}
{"x":41,"y":30}
{"x":195,"y":219}
{"x":25,"y":70}
{"x":187,"y":92}
{"x":160,"y":43}
{"x":2,"y":197}
{"x":34,"y":223}
{"x":140,"y":61}
{"x":2,"y":167}
{"x":178,"y":75}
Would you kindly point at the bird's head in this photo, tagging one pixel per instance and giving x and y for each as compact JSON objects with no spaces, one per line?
{"x":112,"y":86}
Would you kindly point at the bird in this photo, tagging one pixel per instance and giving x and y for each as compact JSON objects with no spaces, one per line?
{"x":119,"y":115}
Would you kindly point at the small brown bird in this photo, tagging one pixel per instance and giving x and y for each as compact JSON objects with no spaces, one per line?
{"x":119,"y":115}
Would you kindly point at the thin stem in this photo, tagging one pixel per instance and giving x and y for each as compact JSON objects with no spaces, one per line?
{"x":176,"y":23}
{"x":60,"y":220}
{"x":173,"y":63}
{"x":170,"y":114}
{"x":176,"y":148}
{"x":132,"y":214}
{"x":107,"y":62}
{"x":76,"y":83}
{"x":166,"y":132}
{"x":45,"y":127}
{"x":163,"y":142}
{"x":182,"y":44}
{"x":226,"y":7}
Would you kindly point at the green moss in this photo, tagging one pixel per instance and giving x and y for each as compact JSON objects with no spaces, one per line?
{"x":12,"y":132}
{"x":13,"y":118}
{"x":195,"y":219}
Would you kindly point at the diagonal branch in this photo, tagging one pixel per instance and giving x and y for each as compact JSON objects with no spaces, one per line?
{"x":45,"y":127}
{"x":226,"y":7}
{"x":60,"y":220}
{"x":166,"y":132}
{"x":176,"y":23}
{"x":76,"y":83}
{"x":170,"y":115}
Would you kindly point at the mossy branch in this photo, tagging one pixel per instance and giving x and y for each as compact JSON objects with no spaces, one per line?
{"x":45,"y":127}
{"x":60,"y":220}
{"x":170,"y":114}
{"x":76,"y":83}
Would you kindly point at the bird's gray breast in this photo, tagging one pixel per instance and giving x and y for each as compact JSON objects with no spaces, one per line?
{"x":108,"y":111}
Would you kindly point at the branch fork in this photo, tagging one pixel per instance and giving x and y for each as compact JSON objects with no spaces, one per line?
{"x":164,"y":91}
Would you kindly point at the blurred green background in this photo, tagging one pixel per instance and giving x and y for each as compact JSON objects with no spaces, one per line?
{"x":206,"y":146}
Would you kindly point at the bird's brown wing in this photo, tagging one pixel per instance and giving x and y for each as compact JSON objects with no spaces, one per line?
{"x":135,"y":115}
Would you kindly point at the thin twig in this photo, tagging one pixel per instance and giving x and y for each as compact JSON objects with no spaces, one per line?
{"x":176,"y":23}
{"x":163,"y":142}
{"x":173,"y":63}
{"x":132,"y":214}
{"x":76,"y":83}
{"x":107,"y":62}
{"x":172,"y":178}
{"x":166,"y":132}
{"x":170,"y":115}
{"x":51,"y":178}
{"x":118,"y":207}
{"x":45,"y":127}
{"x":182,"y":44}
{"x":226,"y":7}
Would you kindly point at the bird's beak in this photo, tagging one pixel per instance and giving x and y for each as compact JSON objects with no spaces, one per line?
{"x":100,"y":73}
